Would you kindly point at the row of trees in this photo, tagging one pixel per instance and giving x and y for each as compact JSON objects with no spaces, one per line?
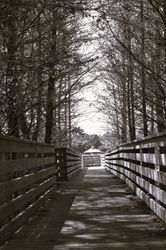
{"x":81,"y":141}
{"x":41,"y":68}
{"x":133,"y":41}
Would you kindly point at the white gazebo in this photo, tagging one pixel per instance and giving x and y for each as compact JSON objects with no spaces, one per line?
{"x":91,"y":157}
{"x":92,"y":150}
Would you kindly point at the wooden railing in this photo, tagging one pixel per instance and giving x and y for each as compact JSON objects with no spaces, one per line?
{"x":142,"y":165}
{"x":28,"y":177}
{"x":68,"y":163}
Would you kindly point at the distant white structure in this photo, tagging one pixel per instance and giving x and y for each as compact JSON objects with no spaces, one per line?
{"x":91,"y":157}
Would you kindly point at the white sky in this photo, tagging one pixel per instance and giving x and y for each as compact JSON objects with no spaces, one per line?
{"x":93,"y":124}
{"x":91,"y":121}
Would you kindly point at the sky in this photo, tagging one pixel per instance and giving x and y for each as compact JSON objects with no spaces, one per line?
{"x":91,"y":120}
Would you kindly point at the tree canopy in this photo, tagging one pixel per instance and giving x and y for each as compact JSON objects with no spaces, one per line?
{"x":43,"y":66}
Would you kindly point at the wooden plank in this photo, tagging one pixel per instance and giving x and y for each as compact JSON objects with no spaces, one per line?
{"x":19,"y":203}
{"x":24,"y":147}
{"x":24,"y":182}
{"x":70,"y":175}
{"x":12,"y":166}
{"x":14,"y":225}
{"x":71,"y":163}
{"x":72,"y":168}
{"x":72,"y":157}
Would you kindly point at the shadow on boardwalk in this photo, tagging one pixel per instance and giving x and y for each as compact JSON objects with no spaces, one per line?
{"x":95,"y":210}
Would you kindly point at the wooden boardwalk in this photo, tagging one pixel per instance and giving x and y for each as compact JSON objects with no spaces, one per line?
{"x":94,"y":210}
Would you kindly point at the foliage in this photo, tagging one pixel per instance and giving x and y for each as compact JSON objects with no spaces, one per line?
{"x":133,"y":44}
{"x":82,"y":141}
{"x":41,"y":68}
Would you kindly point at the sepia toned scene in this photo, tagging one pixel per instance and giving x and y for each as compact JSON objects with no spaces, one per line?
{"x":82,"y":124}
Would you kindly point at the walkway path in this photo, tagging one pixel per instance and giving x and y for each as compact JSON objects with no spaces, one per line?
{"x":94,"y":210}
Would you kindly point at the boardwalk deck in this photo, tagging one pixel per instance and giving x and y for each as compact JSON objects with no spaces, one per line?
{"x":94,"y":210}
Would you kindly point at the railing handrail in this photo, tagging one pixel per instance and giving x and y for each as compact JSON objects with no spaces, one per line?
{"x":20,"y":140}
{"x":146,"y":139}
{"x":29,"y":174}
{"x":142,"y":165}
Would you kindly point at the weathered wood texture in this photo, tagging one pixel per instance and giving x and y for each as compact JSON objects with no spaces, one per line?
{"x":68,"y":163}
{"x":27,"y":180}
{"x":102,"y":160}
{"x":142,"y":165}
{"x":90,"y":160}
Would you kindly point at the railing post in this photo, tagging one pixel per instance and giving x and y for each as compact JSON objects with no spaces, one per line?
{"x":140,"y":155}
{"x":60,"y":161}
{"x":68,"y":162}
{"x":157,"y":173}
{"x":157,"y":158}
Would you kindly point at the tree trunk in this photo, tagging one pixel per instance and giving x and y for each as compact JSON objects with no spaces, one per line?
{"x":24,"y":126}
{"x":116,"y":114}
{"x":164,"y":11}
{"x":51,"y":81}
{"x":152,"y":127}
{"x":159,"y":94}
{"x":59,"y":113}
{"x":164,"y":17}
{"x":39,"y":82}
{"x":66,"y":115}
{"x":49,"y":109}
{"x":124,"y":114}
{"x":143,"y":83}
{"x":11,"y":80}
{"x":160,"y":90}
{"x":69,"y":116}
{"x":131,"y":97}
